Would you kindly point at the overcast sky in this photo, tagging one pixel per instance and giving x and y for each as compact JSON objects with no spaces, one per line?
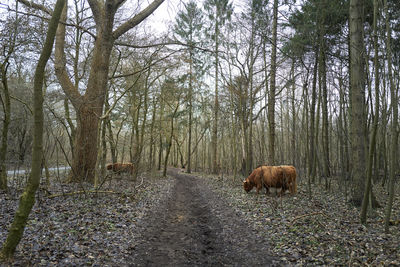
{"x":166,"y":13}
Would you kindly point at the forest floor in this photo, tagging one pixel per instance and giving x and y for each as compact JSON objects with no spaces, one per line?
{"x":322,"y":230}
{"x":198,"y":220}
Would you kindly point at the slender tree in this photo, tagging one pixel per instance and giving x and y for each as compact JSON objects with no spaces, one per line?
{"x":27,"y":198}
{"x":372,"y":143}
{"x":272,"y":87}
{"x":172,"y":104}
{"x":5,"y":100}
{"x":395,"y":121}
{"x":357,"y":94}
{"x":219,"y":11}
{"x":188,"y":29}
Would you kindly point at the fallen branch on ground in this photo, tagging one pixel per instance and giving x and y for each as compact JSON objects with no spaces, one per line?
{"x":83,"y":192}
{"x":141,"y":183}
{"x":391,"y":222}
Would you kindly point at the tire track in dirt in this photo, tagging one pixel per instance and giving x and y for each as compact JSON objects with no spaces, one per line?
{"x":185,"y":231}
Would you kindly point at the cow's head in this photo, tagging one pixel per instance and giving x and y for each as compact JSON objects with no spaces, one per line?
{"x":109,"y":166}
{"x":247,"y":186}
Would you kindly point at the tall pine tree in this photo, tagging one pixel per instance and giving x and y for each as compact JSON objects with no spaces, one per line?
{"x":188,"y":30}
{"x":219,"y":12}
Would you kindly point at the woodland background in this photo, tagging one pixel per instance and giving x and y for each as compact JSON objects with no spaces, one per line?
{"x":228,"y":85}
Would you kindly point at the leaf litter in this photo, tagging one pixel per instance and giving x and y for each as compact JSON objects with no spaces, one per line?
{"x":102,"y":229}
{"x":321,"y":230}
{"x":79,"y":229}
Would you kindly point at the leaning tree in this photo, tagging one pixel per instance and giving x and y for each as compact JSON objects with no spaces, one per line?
{"x":89,"y":105}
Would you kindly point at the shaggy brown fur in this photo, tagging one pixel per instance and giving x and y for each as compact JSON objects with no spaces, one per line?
{"x":290,"y":173}
{"x":283,"y":177}
{"x":120,"y":167}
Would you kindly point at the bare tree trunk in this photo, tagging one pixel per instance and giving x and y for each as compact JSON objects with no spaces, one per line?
{"x":161,"y":118}
{"x":313,"y":136}
{"x":265,"y":113}
{"x":216,"y":106}
{"x":325,"y":122}
{"x":372,"y":144}
{"x":28,"y":197}
{"x":293,"y":137}
{"x":96,"y":179}
{"x":140,"y":132}
{"x":111,"y":141}
{"x":196,"y":161}
{"x":357,"y":87}
{"x":169,"y":141}
{"x":189,"y":149}
{"x":272,"y":89}
{"x":6,"y":101}
{"x":152,"y":145}
{"x":249,"y":157}
{"x":103,"y":148}
{"x":72,"y":128}
{"x":89,"y":106}
{"x":234,"y":152}
{"x":395,"y":122}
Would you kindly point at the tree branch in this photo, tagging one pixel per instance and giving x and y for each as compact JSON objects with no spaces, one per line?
{"x":96,"y":10}
{"x":136,"y":19}
{"x":60,"y":62}
{"x":36,"y":6}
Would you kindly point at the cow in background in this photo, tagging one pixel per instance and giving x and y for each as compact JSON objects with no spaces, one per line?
{"x":283,"y":177}
{"x":120,"y":167}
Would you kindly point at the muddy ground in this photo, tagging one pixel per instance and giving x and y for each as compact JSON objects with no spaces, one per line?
{"x":194,"y":227}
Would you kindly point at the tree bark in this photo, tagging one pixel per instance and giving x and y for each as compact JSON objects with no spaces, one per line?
{"x":214,"y":138}
{"x":325,"y":122}
{"x":72,"y":135}
{"x":169,"y":141}
{"x":140,"y":132}
{"x":312,"y":160}
{"x":272,"y":89}
{"x":372,"y":144}
{"x":395,"y":122}
{"x":189,"y":148}
{"x":293,"y":137}
{"x":152,"y":142}
{"x":111,"y":140}
{"x":357,"y":88}
{"x":6,"y":101}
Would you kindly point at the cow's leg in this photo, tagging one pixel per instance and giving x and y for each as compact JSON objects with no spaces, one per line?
{"x":266,"y":190}
{"x":259,"y":187}
{"x":281,"y":192}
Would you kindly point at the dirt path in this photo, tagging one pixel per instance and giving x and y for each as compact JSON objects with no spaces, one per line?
{"x":196,"y":228}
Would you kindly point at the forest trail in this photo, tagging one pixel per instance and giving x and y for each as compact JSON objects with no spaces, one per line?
{"x":196,"y":228}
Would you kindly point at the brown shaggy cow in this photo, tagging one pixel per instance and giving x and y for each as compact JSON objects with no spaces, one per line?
{"x":120,"y":167}
{"x":290,"y":174}
{"x":283,"y":177}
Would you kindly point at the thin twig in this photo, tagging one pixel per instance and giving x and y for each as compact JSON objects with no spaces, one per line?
{"x":141,"y":183}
